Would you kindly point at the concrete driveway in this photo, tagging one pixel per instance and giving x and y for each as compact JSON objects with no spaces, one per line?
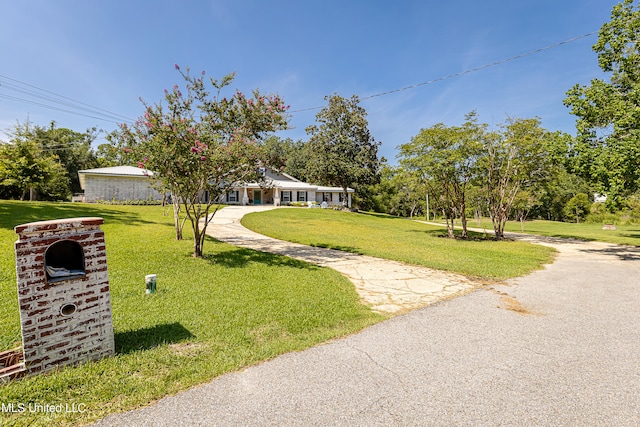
{"x":560,"y":347}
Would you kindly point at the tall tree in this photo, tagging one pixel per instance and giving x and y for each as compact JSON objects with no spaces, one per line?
{"x":341,"y":150}
{"x":513,"y":160}
{"x":447,"y":155}
{"x":289,"y":156}
{"x":26,"y":172}
{"x":199,"y":145}
{"x":72,"y":148}
{"x":608,"y":113}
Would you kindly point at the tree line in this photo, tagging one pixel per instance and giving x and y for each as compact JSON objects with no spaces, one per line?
{"x":200,"y":140}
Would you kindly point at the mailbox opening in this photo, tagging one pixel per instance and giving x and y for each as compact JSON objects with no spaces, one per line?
{"x":64,"y":260}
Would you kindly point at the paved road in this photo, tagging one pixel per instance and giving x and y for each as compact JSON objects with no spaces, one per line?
{"x":560,"y":347}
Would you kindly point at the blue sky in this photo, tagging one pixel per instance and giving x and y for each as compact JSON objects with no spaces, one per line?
{"x":108,"y":54}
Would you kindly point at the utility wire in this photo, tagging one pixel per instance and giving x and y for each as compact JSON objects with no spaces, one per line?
{"x":109,"y":116}
{"x":57,"y":98}
{"x":461,"y":73}
{"x":13,"y":98}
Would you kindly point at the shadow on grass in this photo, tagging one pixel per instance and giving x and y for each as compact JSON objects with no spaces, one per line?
{"x":13,"y":213}
{"x":382,"y":216}
{"x":472,"y":236}
{"x":631,"y":235}
{"x":146,"y":338}
{"x":240,"y":257}
{"x":349,"y":249}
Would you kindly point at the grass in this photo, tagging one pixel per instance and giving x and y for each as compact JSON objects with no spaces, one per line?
{"x":623,"y":234}
{"x":401,"y":240}
{"x":233,"y":308}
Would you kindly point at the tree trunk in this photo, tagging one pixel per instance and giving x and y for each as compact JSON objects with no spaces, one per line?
{"x":463,"y":220}
{"x":449,"y":226}
{"x":498,"y":226}
{"x":176,"y":217}
{"x":197,"y":238}
{"x":197,"y":244}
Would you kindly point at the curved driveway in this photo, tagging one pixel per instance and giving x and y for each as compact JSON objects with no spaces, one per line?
{"x":559,"y":347}
{"x":386,"y":286}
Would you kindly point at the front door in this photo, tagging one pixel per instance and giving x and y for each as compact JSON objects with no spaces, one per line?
{"x":257,"y":197}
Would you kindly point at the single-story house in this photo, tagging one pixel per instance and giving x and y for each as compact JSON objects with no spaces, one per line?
{"x":280,"y":188}
{"x":117,"y":183}
{"x":132,"y":183}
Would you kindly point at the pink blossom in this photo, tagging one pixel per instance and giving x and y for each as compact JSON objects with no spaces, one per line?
{"x":203,"y":158}
{"x":176,"y":66}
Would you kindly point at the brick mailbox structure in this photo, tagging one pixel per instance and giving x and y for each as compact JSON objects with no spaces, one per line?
{"x":63,"y":293}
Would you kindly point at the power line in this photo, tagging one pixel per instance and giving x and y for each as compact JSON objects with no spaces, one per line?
{"x":57,"y":101}
{"x":461,"y":73}
{"x":13,"y":98}
{"x":106,"y":115}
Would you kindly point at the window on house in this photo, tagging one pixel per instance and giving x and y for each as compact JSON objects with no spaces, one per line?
{"x":286,"y":196}
{"x":302,"y":196}
{"x":232,"y":197}
{"x":341,"y":197}
{"x":326,"y":197}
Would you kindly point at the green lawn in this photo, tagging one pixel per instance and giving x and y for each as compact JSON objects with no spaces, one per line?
{"x":623,"y":235}
{"x":233,"y":308}
{"x":402,"y":240}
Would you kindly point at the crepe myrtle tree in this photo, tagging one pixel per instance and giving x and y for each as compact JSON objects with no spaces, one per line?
{"x":199,"y":144}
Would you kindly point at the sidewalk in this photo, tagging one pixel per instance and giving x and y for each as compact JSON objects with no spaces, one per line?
{"x":387,"y":286}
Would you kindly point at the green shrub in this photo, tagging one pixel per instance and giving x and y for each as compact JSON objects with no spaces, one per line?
{"x":577,"y":208}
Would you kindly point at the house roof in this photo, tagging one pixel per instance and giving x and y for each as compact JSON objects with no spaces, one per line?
{"x":128,"y":171}
{"x":274,"y":179}
{"x":283,"y":181}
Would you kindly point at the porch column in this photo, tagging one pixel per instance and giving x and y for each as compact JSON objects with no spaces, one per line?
{"x":245,"y":197}
{"x":276,"y":197}
{"x":349,"y":200}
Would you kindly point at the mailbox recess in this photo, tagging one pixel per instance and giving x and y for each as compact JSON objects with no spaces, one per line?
{"x":63,"y":293}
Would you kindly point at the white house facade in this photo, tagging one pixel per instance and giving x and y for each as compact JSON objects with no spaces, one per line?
{"x":121,"y":183}
{"x":279,"y":188}
{"x":117,"y":183}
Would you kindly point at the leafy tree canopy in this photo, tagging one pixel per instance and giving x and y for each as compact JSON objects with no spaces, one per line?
{"x":341,"y":150}
{"x":200,"y":144}
{"x":608,"y":113}
{"x":44,"y":161}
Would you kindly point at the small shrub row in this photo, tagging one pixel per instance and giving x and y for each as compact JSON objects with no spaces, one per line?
{"x":145,"y":202}
{"x":598,"y":214}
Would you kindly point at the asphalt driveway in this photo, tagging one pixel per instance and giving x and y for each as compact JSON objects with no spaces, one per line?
{"x":558,"y":347}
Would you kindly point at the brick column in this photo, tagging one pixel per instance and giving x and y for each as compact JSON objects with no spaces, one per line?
{"x":65,"y":319}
